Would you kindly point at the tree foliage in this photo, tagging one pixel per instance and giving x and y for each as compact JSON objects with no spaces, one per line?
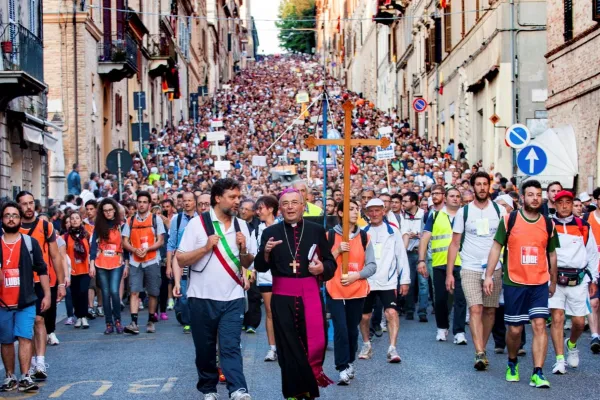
{"x":290,"y":12}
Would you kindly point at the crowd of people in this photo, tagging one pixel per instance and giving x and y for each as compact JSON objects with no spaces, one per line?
{"x":430,"y":233}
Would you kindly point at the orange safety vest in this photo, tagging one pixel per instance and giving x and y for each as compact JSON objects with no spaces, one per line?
{"x":10,"y":286}
{"x":356,"y":262}
{"x":89,"y":228}
{"x":527,"y":244}
{"x":38,"y":234}
{"x":142,"y":237}
{"x":78,"y":267}
{"x":110,"y":252}
{"x":595,"y":225}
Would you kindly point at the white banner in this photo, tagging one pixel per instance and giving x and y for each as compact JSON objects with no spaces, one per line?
{"x":387,"y":153}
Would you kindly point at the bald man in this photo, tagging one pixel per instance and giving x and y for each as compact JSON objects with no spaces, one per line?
{"x":310,"y":209}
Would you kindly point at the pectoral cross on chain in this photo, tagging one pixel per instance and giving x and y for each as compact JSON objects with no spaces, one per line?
{"x":347,"y":143}
{"x":294,"y":264}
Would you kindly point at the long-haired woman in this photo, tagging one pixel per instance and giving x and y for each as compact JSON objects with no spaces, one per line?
{"x":107,"y":261}
{"x":78,"y":250}
{"x":346,"y":293}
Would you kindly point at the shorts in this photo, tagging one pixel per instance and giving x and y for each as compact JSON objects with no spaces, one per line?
{"x":472,"y":286}
{"x":597,"y":295}
{"x":265,"y":289}
{"x":573,"y":299}
{"x":39,"y":292}
{"x":387,"y":297}
{"x":524,"y":303}
{"x":148,"y":277}
{"x":16,"y":324}
{"x":94,"y":284}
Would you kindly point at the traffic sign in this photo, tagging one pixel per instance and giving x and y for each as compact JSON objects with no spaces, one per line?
{"x":494,"y":119}
{"x":518,"y":136}
{"x":532,"y":160}
{"x":419,"y":104}
{"x":119,"y":158}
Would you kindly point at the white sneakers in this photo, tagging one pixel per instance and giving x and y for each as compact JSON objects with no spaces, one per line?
{"x":170,"y":305}
{"x":344,"y":378}
{"x":77,"y":323}
{"x":392,"y":355}
{"x":351,"y":371}
{"x":365,"y":352}
{"x":53,"y":340}
{"x":442,"y":335}
{"x":559,"y":367}
{"x":240,"y":394}
{"x":271,"y":355}
{"x":383,"y":325}
{"x":572,"y":356}
{"x":460,"y":339}
{"x":568,"y":324}
{"x":211,"y":396}
{"x":84,"y":323}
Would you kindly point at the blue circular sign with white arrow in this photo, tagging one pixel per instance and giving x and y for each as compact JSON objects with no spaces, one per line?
{"x":532,"y":160}
{"x":518,"y":136}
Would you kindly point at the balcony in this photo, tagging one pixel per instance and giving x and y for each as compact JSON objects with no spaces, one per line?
{"x":161,"y":49}
{"x":117,"y":57}
{"x":21,"y":67}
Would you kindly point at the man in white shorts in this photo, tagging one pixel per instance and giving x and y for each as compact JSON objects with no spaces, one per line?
{"x":577,"y":259}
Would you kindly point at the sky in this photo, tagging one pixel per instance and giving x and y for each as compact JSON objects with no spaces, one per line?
{"x":267,"y":31}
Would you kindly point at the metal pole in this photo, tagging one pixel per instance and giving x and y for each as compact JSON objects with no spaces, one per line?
{"x":324,"y":150}
{"x":140,"y":120}
{"x":119,"y":178}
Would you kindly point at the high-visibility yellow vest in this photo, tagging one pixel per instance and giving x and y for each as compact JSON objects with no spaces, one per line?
{"x":312,"y":210}
{"x":441,"y":236}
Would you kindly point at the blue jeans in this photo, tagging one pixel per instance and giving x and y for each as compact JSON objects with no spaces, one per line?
{"x":182,"y":308}
{"x":110,"y":281}
{"x":69,"y":303}
{"x":423,"y":287}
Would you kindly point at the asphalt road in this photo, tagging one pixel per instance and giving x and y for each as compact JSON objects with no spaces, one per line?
{"x":88,"y":364}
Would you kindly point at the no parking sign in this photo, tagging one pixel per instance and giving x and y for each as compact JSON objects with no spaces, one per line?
{"x":419,"y":104}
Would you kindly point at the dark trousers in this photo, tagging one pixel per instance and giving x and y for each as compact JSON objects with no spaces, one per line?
{"x":109,"y":281}
{"x":499,"y":330}
{"x":69,"y":303}
{"x":442,"y":308}
{"x":164,"y":290}
{"x":346,"y":315}
{"x":79,"y":292}
{"x":210,"y":318}
{"x":413,"y":291}
{"x":182,"y":308}
{"x":254,"y":314}
{"x":377,"y":315}
{"x":50,"y":314}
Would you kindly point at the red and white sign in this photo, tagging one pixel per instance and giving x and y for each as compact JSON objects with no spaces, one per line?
{"x":419,"y":104}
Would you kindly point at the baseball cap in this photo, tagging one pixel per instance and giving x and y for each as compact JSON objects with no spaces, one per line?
{"x":563,"y":193}
{"x":375,"y":203}
{"x":584,"y":196}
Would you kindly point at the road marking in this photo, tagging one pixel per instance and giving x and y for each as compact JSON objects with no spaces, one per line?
{"x":169,"y":385}
{"x":106,"y":341}
{"x":140,"y":387}
{"x":105,"y":385}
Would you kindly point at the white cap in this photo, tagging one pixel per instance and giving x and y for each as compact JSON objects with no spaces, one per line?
{"x":507,"y":199}
{"x":584,"y":196}
{"x":375,"y":203}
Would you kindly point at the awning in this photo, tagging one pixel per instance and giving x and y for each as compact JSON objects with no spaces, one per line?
{"x":480,"y":83}
{"x":33,"y":134}
{"x":51,"y":143}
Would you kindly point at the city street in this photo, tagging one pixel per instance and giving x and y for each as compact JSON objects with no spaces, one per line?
{"x":88,"y":364}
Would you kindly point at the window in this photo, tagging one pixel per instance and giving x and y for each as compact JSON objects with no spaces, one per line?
{"x":448,"y":28}
{"x":33,"y":13}
{"x":118,"y":109}
{"x":568,"y":14}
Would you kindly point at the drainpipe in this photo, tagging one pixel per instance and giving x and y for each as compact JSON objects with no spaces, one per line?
{"x":513,"y":70}
{"x":75,"y":100}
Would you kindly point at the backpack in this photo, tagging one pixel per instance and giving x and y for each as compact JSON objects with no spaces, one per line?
{"x":154,"y":225}
{"x":44,"y":227}
{"x":364,"y":239}
{"x":466,"y":216}
{"x":210,"y":228}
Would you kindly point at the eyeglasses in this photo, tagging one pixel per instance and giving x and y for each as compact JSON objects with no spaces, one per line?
{"x":11,"y":216}
{"x":437,"y":194}
{"x":204,"y":204}
{"x":294,"y":203}
{"x":108,"y":210}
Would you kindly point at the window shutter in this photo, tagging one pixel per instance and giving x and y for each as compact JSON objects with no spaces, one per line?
{"x":448,"y":28}
{"x":568,"y":14}
{"x":438,"y":40}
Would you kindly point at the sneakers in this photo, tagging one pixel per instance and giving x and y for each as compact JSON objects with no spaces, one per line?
{"x":521,"y":352}
{"x":383,"y":325}
{"x":100,"y":311}
{"x":10,"y":383}
{"x":187,"y":329}
{"x":119,"y":327}
{"x":77,"y":323}
{"x":26,"y":384}
{"x":538,"y":380}
{"x":572,"y":355}
{"x":150,"y":328}
{"x":480,"y":362}
{"x":170,"y":305}
{"x":70,"y":321}
{"x":109,"y":329}
{"x":499,"y":350}
{"x":392,"y":355}
{"x":91,"y":313}
{"x":53,"y":340}
{"x":141,"y":305}
{"x":271,"y":355}
{"x":559,"y":367}
{"x":344,"y":378}
{"x":164,"y":316}
{"x":366,"y":352}
{"x":595,"y":345}
{"x":250,"y":330}
{"x":39,"y":372}
{"x":132,"y":328}
{"x":211,"y":396}
{"x":460,"y":339}
{"x":512,"y":372}
{"x":84,"y":323}
{"x":240,"y":394}
{"x":351,"y":371}
{"x":568,"y":324}
{"x":222,"y":378}
{"x":442,"y":335}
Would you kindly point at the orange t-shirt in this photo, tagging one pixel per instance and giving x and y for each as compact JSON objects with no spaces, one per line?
{"x":78,"y":267}
{"x":11,"y":283}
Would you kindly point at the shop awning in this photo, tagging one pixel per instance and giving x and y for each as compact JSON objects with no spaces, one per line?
{"x":33,"y":134}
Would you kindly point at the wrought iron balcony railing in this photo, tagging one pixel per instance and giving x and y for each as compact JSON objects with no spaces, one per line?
{"x":21,"y":50}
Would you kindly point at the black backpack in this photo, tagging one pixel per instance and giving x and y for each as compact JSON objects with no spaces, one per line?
{"x":364,"y":239}
{"x":208,"y":225}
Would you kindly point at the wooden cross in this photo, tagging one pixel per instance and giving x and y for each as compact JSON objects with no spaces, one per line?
{"x":294,"y":265}
{"x":347,"y":142}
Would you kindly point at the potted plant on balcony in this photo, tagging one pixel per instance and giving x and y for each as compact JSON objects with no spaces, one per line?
{"x":7,"y":46}
{"x":119,"y":54}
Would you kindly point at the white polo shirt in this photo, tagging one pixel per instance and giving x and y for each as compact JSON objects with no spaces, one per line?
{"x":213,"y":283}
